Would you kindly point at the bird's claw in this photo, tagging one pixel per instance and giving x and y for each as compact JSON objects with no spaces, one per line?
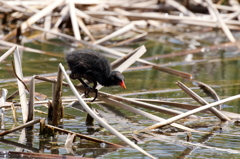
{"x":86,"y":93}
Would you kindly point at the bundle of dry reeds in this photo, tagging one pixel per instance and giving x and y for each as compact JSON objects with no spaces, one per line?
{"x":80,"y":23}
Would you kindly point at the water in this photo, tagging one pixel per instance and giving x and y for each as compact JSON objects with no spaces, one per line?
{"x":217,"y":68}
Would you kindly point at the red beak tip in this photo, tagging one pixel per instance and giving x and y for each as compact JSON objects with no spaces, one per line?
{"x":122,"y":84}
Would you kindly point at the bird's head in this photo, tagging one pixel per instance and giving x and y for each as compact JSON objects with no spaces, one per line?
{"x":117,"y":79}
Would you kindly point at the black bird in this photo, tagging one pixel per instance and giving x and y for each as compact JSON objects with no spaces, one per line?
{"x":90,"y":65}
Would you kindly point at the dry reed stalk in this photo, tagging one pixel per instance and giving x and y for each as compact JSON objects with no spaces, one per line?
{"x":233,"y":15}
{"x":57,"y":111}
{"x":123,"y":19}
{"x":187,"y":106}
{"x":222,"y":23}
{"x":143,"y":3}
{"x":90,"y":18}
{"x":161,"y":17}
{"x":74,"y":20}
{"x":32,"y":9}
{"x":180,"y":7}
{"x":117,"y":20}
{"x":37,"y":154}
{"x":64,"y":16}
{"x":81,"y":136}
{"x":14,"y":7}
{"x":98,"y":119}
{"x":21,"y":86}
{"x":172,"y":71}
{"x":31,"y":100}
{"x":40,"y":14}
{"x":119,"y":61}
{"x":28,"y":49}
{"x":235,"y":4}
{"x":213,"y":25}
{"x":178,"y":117}
{"x":3,"y":98}
{"x":116,"y":33}
{"x":144,"y":105}
{"x":137,"y":53}
{"x":85,"y":29}
{"x":130,"y":39}
{"x":20,"y":127}
{"x":179,"y":105}
{"x":142,"y":113}
{"x":31,"y":3}
{"x":47,"y":24}
{"x":202,"y":101}
{"x":6,"y":54}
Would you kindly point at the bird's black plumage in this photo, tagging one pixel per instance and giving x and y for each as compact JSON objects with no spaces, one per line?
{"x":90,"y":65}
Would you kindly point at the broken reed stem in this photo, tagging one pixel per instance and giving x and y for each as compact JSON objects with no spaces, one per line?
{"x":202,"y":101}
{"x":142,"y":113}
{"x":139,"y":36}
{"x":6,"y":54}
{"x":57,"y":111}
{"x":81,"y":136}
{"x":222,"y":23}
{"x":144,"y":105}
{"x":28,"y":124}
{"x":116,"y":33}
{"x":31,"y":100}
{"x":40,"y":14}
{"x":174,"y":104}
{"x":178,"y":117}
{"x":21,"y":86}
{"x":6,"y":43}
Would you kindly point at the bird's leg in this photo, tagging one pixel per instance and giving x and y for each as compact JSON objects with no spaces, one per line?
{"x":86,"y":86}
{"x":95,"y":90}
{"x":89,"y":88}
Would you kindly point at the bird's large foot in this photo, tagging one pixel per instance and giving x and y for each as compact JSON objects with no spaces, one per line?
{"x":86,"y":93}
{"x":96,"y":94}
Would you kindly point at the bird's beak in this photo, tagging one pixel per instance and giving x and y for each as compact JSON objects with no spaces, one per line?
{"x":122,"y":84}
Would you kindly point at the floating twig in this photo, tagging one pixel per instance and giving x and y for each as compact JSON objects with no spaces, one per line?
{"x":20,"y":127}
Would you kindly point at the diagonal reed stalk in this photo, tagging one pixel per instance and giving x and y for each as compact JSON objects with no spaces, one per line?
{"x":178,"y":117}
{"x":202,"y":101}
{"x":98,"y":119}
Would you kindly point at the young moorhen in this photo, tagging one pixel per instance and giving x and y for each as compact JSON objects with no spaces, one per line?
{"x":93,"y":67}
